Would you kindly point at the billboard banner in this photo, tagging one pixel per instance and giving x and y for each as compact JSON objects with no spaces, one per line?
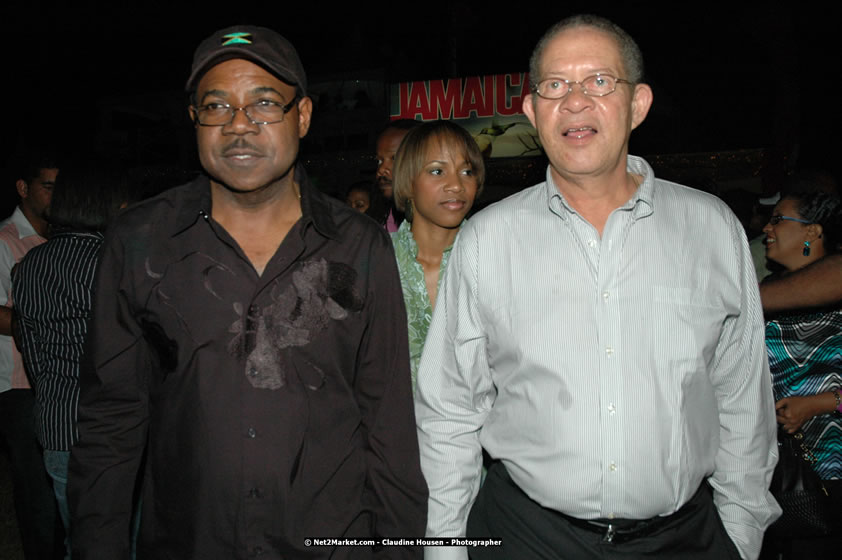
{"x":490,"y":108}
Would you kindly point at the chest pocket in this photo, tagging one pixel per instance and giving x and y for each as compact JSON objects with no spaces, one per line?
{"x":685,"y":327}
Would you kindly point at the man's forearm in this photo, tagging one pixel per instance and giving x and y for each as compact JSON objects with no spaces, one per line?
{"x":817,"y":285}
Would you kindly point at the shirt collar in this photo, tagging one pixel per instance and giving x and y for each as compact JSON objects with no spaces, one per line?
{"x":640,"y":202}
{"x":24,"y":228}
{"x":315,"y":210}
{"x":69,"y":232}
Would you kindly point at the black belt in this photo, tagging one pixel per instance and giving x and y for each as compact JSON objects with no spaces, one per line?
{"x":624,"y":530}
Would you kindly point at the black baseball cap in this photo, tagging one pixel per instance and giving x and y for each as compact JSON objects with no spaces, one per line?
{"x":256,"y":44}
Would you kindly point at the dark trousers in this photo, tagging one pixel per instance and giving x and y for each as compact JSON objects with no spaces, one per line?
{"x":35,"y":504}
{"x":531,"y":532}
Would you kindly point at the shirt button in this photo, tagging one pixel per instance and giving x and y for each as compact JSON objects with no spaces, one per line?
{"x":609,"y":351}
{"x":253,"y":372}
{"x":254,"y":493}
{"x":612,"y":409}
{"x":612,"y":467}
{"x":605,"y":295}
{"x":252,"y":433}
{"x":611,"y":515}
{"x":592,"y":243}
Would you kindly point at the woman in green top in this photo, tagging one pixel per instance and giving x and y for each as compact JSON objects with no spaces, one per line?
{"x":437,"y":175}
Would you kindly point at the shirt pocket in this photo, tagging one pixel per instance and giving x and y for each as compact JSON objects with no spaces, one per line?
{"x":686,"y":324}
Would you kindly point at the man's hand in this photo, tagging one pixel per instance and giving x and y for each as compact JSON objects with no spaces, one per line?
{"x":792,"y":412}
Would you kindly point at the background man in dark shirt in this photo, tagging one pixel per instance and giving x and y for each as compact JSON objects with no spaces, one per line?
{"x":249,"y":335}
{"x":383,"y":207}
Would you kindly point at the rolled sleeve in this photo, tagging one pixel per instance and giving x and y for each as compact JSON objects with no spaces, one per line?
{"x":747,"y":451}
{"x":454,"y":395}
{"x":113,"y":414}
{"x":395,"y":487}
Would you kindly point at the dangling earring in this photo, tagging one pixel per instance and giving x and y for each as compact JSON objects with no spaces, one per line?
{"x":806,"y":251}
{"x":408,"y":213}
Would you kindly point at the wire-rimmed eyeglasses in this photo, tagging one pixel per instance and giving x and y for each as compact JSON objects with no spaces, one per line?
{"x":597,"y":85}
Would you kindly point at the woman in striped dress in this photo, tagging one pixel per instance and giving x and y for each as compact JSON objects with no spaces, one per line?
{"x":805,"y":347}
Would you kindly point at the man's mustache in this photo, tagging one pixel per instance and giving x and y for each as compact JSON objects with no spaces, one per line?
{"x":240,"y":145}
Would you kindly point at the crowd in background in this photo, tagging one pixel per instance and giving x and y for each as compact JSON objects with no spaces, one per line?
{"x":428,"y":177}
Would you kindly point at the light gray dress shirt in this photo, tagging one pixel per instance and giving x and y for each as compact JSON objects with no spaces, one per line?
{"x":612,"y":375}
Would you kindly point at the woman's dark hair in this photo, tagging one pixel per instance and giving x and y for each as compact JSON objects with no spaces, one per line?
{"x":87,"y":197}
{"x":821,"y":208}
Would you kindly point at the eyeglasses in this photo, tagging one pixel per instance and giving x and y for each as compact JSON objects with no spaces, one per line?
{"x":775,"y":220}
{"x":261,"y":112}
{"x":597,"y":85}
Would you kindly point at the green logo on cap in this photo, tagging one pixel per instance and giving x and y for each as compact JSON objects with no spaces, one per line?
{"x":236,"y":39}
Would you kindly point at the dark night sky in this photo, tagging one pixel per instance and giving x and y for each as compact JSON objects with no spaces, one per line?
{"x":722,"y":79}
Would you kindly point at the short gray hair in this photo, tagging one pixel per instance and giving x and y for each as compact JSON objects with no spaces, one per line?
{"x":630,"y":53}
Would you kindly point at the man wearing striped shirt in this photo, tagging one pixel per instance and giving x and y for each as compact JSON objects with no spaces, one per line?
{"x":600,"y":335}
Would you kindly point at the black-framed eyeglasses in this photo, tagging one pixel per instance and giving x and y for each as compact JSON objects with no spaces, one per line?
{"x":260,"y":112}
{"x":597,"y":85}
{"x":775,"y":220}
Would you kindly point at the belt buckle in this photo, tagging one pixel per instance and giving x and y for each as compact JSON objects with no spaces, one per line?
{"x":610,"y":531}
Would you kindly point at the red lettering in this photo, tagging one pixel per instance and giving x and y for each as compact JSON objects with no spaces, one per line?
{"x":488,"y":98}
{"x":443,"y":98}
{"x":403,"y":101}
{"x":525,"y":90}
{"x":418,"y":102}
{"x":483,"y":96}
{"x":475,"y":100}
{"x":507,"y":106}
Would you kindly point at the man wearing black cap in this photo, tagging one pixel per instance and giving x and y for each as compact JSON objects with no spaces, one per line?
{"x":248,"y":338}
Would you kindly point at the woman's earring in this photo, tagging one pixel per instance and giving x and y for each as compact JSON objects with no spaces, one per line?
{"x":806,"y":251}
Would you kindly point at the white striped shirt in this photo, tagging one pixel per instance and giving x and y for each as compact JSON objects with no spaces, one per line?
{"x":17,"y":236}
{"x":53,"y":286}
{"x":611,"y":374}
